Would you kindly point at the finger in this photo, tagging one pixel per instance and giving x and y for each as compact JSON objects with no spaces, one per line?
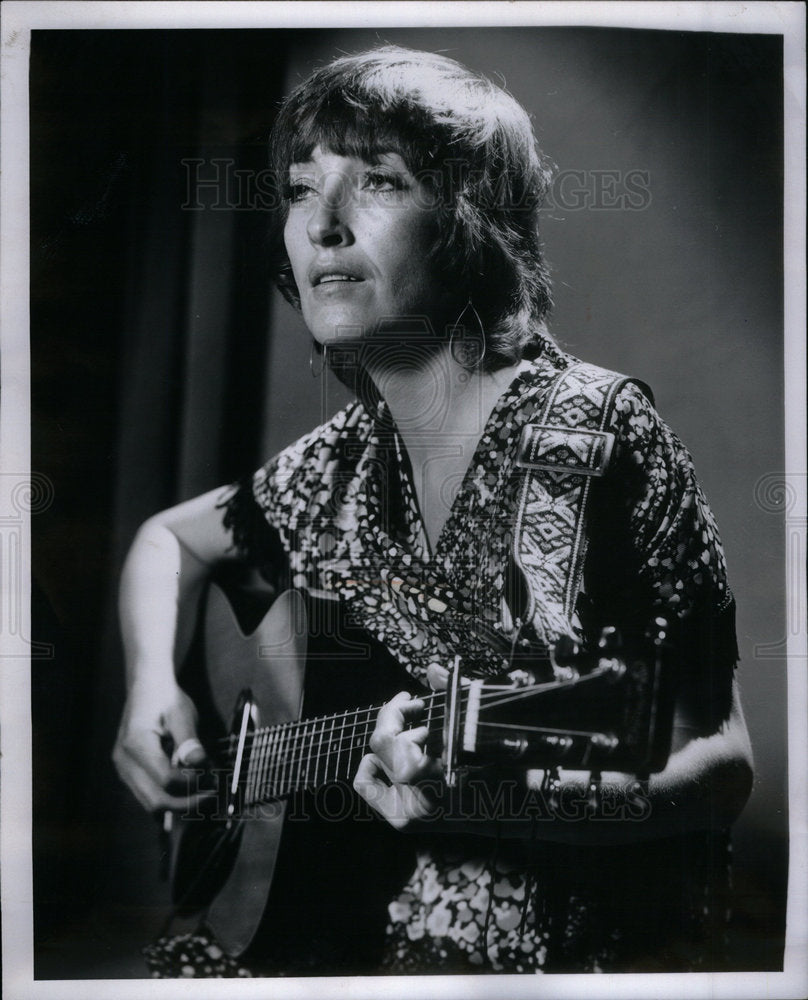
{"x":144,"y":761}
{"x":152,"y":795}
{"x":398,"y":804}
{"x":417,"y":735}
{"x":371,"y":779}
{"x":397,"y":715}
{"x":409,"y":763}
{"x":373,"y":785}
{"x":180,"y":723}
{"x":400,"y":707}
{"x":142,"y":749}
{"x":437,"y":676}
{"x":188,"y":753}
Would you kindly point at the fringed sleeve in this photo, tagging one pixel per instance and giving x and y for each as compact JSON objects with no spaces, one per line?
{"x":255,"y":541}
{"x":656,"y":548}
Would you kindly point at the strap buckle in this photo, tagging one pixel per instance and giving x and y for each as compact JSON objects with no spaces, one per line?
{"x":564,"y":449}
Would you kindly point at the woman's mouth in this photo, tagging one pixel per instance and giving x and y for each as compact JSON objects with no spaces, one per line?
{"x":328,"y":279}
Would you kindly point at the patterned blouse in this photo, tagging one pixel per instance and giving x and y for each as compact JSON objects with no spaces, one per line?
{"x":342,"y":510}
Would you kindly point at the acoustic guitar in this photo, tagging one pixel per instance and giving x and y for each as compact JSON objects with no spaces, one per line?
{"x":271,"y":738}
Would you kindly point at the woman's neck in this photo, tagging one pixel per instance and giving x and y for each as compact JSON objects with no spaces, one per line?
{"x":440,"y":411}
{"x":431,"y":397}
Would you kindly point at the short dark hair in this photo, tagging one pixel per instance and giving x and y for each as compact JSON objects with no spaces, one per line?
{"x":460,"y":133}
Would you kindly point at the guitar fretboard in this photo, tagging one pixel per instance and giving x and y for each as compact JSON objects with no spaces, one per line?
{"x":310,"y":753}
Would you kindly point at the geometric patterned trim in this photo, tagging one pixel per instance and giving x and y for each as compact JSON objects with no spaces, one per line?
{"x":565,"y":450}
{"x":560,"y":451}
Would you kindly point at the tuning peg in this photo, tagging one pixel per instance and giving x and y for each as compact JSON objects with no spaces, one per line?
{"x":566,"y":651}
{"x":593,"y":797}
{"x":565,"y":656}
{"x":658,"y":630}
{"x":610,"y":640}
{"x":552,"y":789}
{"x":610,"y":651}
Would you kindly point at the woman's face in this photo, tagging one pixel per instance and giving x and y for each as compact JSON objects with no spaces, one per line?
{"x":358,"y":236}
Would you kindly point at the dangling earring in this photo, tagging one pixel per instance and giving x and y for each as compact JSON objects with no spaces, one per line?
{"x":319,"y":372}
{"x":462,"y":350}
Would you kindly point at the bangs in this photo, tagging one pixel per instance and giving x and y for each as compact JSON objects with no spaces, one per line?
{"x":345,"y":128}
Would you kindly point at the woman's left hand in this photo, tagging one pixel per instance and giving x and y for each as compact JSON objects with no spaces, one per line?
{"x":398,"y":779}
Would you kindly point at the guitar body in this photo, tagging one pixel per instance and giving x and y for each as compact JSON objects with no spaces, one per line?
{"x":229,"y":871}
{"x":300,"y":880}
{"x":287,"y":865}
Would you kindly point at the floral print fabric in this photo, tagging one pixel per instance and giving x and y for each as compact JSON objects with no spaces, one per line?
{"x":342,"y":506}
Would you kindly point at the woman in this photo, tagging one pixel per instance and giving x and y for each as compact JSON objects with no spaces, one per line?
{"x":410,"y":244}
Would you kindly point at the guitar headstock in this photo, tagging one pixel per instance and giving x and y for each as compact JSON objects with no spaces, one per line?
{"x":609,"y":705}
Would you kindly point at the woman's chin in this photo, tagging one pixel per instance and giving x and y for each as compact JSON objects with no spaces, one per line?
{"x":337,"y":325}
{"x":341,"y":335}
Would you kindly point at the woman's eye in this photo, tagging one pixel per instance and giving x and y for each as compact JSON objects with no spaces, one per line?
{"x":297,"y":191}
{"x":376,"y":180}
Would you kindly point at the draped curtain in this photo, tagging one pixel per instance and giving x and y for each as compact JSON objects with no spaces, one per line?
{"x":150,"y":335}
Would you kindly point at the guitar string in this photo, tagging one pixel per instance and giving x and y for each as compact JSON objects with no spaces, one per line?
{"x":348,"y":717}
{"x":352,"y":747}
{"x":345,"y":716}
{"x":483,"y":629}
{"x":293,"y":757}
{"x":544,"y":730}
{"x":529,"y":692}
{"x":514,"y":694}
{"x":293,"y":750}
{"x":297,"y":780}
{"x":294,"y":753}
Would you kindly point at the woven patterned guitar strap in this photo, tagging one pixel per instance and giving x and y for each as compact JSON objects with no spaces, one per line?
{"x":562,"y":450}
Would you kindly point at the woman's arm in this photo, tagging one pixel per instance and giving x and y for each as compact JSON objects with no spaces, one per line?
{"x":704,"y":785}
{"x":163,"y":578}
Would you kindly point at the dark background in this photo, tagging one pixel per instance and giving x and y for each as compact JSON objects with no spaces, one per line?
{"x":163,"y":364}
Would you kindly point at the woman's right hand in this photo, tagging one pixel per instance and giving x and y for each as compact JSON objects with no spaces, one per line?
{"x":162,"y":582}
{"x":154,"y":725}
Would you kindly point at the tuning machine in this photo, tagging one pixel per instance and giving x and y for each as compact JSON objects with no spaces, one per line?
{"x":565,"y":656}
{"x":610,"y":651}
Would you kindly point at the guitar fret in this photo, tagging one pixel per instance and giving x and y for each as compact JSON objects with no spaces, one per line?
{"x":269,"y":760}
{"x":255,"y":765}
{"x":362,"y":741}
{"x":310,"y":762}
{"x":307,"y":740}
{"x":287,"y":757}
{"x":266,"y":736}
{"x":339,"y":747}
{"x":284,"y":755}
{"x":328,"y":750}
{"x":293,"y":777}
{"x":249,"y":784}
{"x":294,"y":769}
{"x":316,"y":781}
{"x":351,"y":742}
{"x":364,"y":738}
{"x":302,"y":756}
{"x":260,"y":751}
{"x":319,"y":751}
{"x":263,"y":740}
{"x":274,"y":766}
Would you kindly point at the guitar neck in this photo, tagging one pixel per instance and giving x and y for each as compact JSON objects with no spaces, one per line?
{"x":310,"y":753}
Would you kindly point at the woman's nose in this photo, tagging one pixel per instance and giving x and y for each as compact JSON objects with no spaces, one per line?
{"x":328,"y":223}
